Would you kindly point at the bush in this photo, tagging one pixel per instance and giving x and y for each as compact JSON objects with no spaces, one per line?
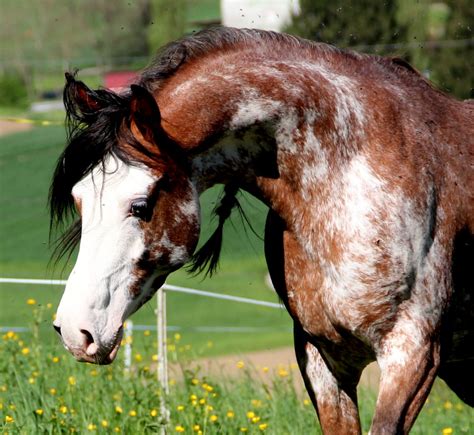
{"x":13,"y":90}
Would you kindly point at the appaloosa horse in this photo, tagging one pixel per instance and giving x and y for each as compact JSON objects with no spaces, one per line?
{"x":368,"y":173}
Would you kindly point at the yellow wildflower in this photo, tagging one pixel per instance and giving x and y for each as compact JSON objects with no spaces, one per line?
{"x":243,"y":429}
{"x":256,"y":403}
{"x":154,"y":357}
{"x":265,"y":369}
{"x":213,"y":418}
{"x":447,"y":431}
{"x":55,"y":359}
{"x":72,"y":380}
{"x":192,"y":397}
{"x":104,"y":423}
{"x":195,"y":381}
{"x":255,"y":419}
{"x":39,"y":411}
{"x":117,"y":429}
{"x":94,"y":372}
{"x":202,"y":401}
{"x":132,"y":413}
{"x":210,"y":408}
{"x":138,"y":358}
{"x":25,"y":351}
{"x":118,"y":410}
{"x":49,"y":305}
{"x":153,"y":412}
{"x":9,"y":419}
{"x":196,"y":428}
{"x":52,"y":391}
{"x":31,"y":301}
{"x":282,"y":372}
{"x":459,"y":407}
{"x":240,"y":364}
{"x":12,"y":407}
{"x":3,"y":388}
{"x":146,"y":333}
{"x":91,"y":426}
{"x":250,"y":414}
{"x":31,"y":380}
{"x":177,"y":336}
{"x":306,"y":402}
{"x":230,"y":414}
{"x":448,"y":405}
{"x":210,"y":344}
{"x":179,"y":428}
{"x":263,"y":426}
{"x":63,"y":409}
{"x":180,"y":408}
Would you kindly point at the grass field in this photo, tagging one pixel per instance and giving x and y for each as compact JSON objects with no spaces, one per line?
{"x":43,"y":390}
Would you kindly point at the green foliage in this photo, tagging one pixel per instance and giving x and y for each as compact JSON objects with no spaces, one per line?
{"x":13,"y":90}
{"x":168,"y":21}
{"x":345,"y":23}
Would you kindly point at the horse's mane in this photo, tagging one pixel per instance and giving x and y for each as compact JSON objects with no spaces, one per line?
{"x":91,"y":136}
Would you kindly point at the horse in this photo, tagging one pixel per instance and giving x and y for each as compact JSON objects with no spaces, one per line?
{"x":367,"y":171}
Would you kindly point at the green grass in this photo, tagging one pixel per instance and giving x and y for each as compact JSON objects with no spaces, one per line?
{"x":44,"y":391}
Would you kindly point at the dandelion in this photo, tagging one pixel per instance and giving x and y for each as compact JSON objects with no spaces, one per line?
{"x":104,"y":423}
{"x":263,"y":426}
{"x":153,"y":412}
{"x":213,"y":418}
{"x":243,"y":429}
{"x":132,"y":413}
{"x":171,"y":347}
{"x":210,"y":344}
{"x":447,"y":431}
{"x":146,"y":333}
{"x":230,"y":414}
{"x":202,"y":401}
{"x":293,"y":366}
{"x":25,"y":351}
{"x":118,"y":410}
{"x":196,"y":428}
{"x":207,"y":387}
{"x":93,"y":372}
{"x":49,"y":305}
{"x":255,"y":419}
{"x":31,"y":301}
{"x":282,"y":373}
{"x":192,"y":397}
{"x":3,"y":388}
{"x":31,"y":381}
{"x":448,"y":405}
{"x":52,"y":391}
{"x":55,"y":359}
{"x":195,"y":381}
{"x":63,"y":409}
{"x":180,"y":408}
{"x":172,"y":382}
{"x":179,"y":428}
{"x":9,"y":419}
{"x":265,"y":369}
{"x":138,"y":358}
{"x":240,"y":364}
{"x":177,"y":336}
{"x":256,"y":403}
{"x":117,"y":429}
{"x":39,"y":411}
{"x":91,"y":426}
{"x":210,"y":408}
{"x":154,"y":357}
{"x":306,"y":402}
{"x":250,"y":414}
{"x":72,"y":380}
{"x":459,"y":407}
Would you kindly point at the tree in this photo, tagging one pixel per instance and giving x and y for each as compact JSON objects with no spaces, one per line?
{"x":168,"y":22}
{"x":344,"y":23}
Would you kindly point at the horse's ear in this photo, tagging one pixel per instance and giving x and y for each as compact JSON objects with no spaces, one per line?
{"x":78,"y":94}
{"x":144,"y":113}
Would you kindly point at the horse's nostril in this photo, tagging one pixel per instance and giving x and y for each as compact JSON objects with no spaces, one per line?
{"x":57,"y":329}
{"x":88,"y":338}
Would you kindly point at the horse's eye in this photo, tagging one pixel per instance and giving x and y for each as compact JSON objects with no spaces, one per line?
{"x":139,"y":209}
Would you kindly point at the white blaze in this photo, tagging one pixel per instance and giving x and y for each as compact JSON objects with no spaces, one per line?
{"x":97,"y":297}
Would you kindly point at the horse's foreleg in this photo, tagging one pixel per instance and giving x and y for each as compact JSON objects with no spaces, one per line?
{"x":335,"y":401}
{"x":408,"y":370}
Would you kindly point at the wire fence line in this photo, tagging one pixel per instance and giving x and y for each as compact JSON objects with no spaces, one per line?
{"x":167,"y":287}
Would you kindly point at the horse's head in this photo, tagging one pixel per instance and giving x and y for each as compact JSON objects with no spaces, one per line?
{"x":138,"y":214}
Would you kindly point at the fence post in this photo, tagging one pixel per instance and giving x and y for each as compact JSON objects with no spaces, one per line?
{"x":128,"y":338}
{"x":162,"y":357}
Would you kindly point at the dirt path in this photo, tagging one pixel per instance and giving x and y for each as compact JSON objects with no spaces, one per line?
{"x":9,"y":127}
{"x":280,"y":362}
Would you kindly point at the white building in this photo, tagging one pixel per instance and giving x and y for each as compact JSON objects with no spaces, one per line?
{"x":258,"y":14}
